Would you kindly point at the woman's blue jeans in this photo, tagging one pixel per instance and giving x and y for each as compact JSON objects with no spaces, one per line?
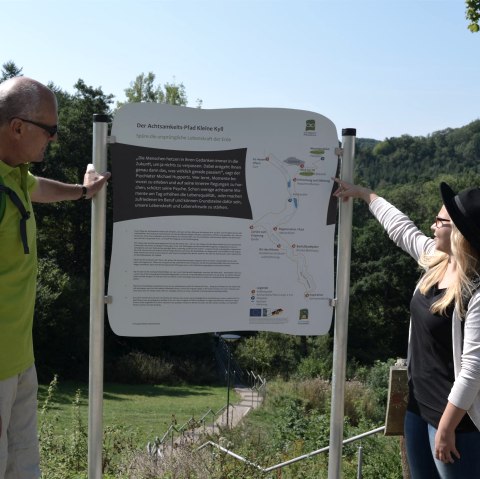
{"x":420,"y":444}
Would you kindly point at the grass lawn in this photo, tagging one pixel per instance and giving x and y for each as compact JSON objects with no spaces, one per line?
{"x":144,"y":408}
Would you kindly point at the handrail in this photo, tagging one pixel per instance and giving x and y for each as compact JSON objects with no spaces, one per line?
{"x":291,"y":461}
{"x":192,"y":424}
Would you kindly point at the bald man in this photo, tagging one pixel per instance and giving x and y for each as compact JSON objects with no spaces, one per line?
{"x":28,"y":123}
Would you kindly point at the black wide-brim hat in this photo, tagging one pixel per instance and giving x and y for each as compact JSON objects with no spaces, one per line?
{"x":464,"y":210}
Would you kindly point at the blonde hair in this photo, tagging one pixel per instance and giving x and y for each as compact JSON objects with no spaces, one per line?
{"x":435,"y":266}
{"x":467,"y":270}
{"x":468,"y":262}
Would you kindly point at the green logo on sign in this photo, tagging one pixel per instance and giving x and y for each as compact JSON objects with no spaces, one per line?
{"x":303,"y":314}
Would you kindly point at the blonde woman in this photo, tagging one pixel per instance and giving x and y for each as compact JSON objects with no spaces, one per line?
{"x":443,"y":414}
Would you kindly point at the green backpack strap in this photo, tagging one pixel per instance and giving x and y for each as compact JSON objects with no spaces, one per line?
{"x":2,"y":200}
{"x":25,"y":215}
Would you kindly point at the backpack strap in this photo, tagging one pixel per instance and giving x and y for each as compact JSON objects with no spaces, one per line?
{"x":23,"y":212}
{"x":2,"y":201}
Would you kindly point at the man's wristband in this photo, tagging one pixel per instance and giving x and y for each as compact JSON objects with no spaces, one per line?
{"x":84,"y":192}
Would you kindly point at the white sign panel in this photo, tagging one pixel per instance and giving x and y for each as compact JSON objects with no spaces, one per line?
{"x":223,"y":221}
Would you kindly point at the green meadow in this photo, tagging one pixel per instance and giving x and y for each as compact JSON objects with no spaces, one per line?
{"x":148,"y":410}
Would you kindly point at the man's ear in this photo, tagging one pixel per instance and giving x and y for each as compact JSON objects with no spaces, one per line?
{"x":16,"y":126}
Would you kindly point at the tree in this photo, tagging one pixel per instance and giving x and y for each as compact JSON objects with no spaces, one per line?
{"x":270,"y":354}
{"x":473,"y":14}
{"x":61,"y":315}
{"x":175,"y":94}
{"x":383,"y":276}
{"x":143,"y":89}
{"x":10,"y":70}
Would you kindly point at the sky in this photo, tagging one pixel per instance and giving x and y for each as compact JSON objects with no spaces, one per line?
{"x":384,"y":67}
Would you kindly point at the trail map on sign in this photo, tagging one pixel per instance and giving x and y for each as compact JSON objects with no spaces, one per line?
{"x":223,"y":221}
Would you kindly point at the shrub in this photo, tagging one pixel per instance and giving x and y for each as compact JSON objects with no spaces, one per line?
{"x":375,"y":379}
{"x":65,"y":455}
{"x":360,"y":403}
{"x":195,"y":372}
{"x":317,"y":393}
{"x":318,"y":362}
{"x":311,"y":367}
{"x":140,"y":368}
{"x":271,"y":354}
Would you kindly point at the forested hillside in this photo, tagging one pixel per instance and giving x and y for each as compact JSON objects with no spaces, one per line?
{"x":412,"y":159}
{"x":407,"y":171}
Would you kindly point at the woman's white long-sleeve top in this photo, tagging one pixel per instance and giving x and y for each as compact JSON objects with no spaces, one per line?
{"x":465,"y":393}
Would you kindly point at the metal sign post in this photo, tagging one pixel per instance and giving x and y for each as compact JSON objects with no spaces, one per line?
{"x":341,"y":310}
{"x":97,"y":303}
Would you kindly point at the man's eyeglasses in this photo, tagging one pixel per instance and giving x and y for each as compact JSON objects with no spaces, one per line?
{"x":441,"y":222}
{"x":51,"y":130}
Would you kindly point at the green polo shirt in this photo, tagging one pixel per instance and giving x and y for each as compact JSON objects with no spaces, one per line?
{"x":18,"y":274}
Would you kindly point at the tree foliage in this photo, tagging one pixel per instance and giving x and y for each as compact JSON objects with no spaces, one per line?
{"x":417,"y":159}
{"x":61,"y":336}
{"x":382,"y":275}
{"x":270,"y":354}
{"x":10,"y":70}
{"x":405,"y":170}
{"x":143,"y":89}
{"x":61,"y":326}
{"x":473,"y":14}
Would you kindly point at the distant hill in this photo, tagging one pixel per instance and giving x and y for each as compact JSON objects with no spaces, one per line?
{"x":413,"y":159}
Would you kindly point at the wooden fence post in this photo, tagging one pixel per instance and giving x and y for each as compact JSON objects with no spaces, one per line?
{"x":396,"y":408}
